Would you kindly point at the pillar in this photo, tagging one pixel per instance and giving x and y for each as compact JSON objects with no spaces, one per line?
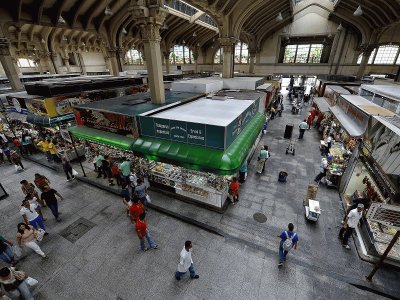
{"x":45,"y":60}
{"x":9,"y":66}
{"x":82,"y":63}
{"x":335,"y":45}
{"x":57,"y":63}
{"x":366,"y":53}
{"x":112,"y":61}
{"x":228,"y":46}
{"x":150,"y":20}
{"x":66,"y":63}
{"x":167,"y":64}
{"x":196,"y":59}
{"x":252,"y":58}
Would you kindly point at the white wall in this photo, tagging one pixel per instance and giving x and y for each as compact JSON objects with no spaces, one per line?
{"x":94,"y":61}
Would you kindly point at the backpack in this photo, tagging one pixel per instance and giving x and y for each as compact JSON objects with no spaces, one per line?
{"x":288,"y":243}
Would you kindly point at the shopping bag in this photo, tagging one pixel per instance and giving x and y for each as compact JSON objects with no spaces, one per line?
{"x":17,"y":250}
{"x":31,"y":281}
{"x":74,"y":173}
{"x":39,"y":234}
{"x":148,"y":199}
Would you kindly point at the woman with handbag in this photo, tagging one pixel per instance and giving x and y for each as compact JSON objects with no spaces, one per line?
{"x":26,"y":236}
{"x":14,"y":285}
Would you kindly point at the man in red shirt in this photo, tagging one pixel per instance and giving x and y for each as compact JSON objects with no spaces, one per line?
{"x":135,"y":210}
{"x":142,"y":233}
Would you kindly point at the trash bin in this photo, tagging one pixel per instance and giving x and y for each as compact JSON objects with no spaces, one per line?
{"x":288,"y":131}
{"x":282,"y":176}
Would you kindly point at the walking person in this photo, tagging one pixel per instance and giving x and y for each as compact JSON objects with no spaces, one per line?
{"x":16,"y":159}
{"x":49,"y":197}
{"x":143,"y":233}
{"x":67,"y":168}
{"x":29,"y":188}
{"x":140,"y":191}
{"x":302,"y":128}
{"x":262,"y":157}
{"x":135,"y":210}
{"x":115,"y":174}
{"x":125,"y":168}
{"x":27,"y":144}
{"x":273,"y":111}
{"x":186,"y":262}
{"x":41,"y":181}
{"x":26,"y":236}
{"x":18,"y":145}
{"x":350,"y":224}
{"x":44,"y":145}
{"x":7,"y":152}
{"x":289,"y":240}
{"x":13,"y":285}
{"x":106,"y":167}
{"x":31,"y":216}
{"x":98,"y":160}
{"x":243,"y":172}
{"x":53,"y":151}
{"x":6,"y":253}
{"x":234,"y":191}
{"x":35,"y":201}
{"x":126,"y":197}
{"x":328,"y":145}
{"x":324,"y":167}
{"x":310,"y":120}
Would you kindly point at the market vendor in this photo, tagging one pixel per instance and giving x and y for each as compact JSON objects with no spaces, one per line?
{"x":44,"y":146}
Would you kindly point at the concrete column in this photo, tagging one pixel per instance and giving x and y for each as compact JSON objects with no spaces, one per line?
{"x":56,"y":62}
{"x":167,"y":64}
{"x":150,"y":20}
{"x":45,"y":60}
{"x":228,"y":46}
{"x":335,"y":45}
{"x":366,"y":53}
{"x":113,"y":62}
{"x":82,"y":63}
{"x":66,"y":63}
{"x":196,"y":59}
{"x":9,"y":66}
{"x":252,"y":58}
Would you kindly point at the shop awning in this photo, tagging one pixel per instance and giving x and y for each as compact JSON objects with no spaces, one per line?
{"x":102,"y":137}
{"x":47,"y":121}
{"x":200,"y":158}
{"x":16,"y":116}
{"x":348,"y":124}
{"x":322,"y":104}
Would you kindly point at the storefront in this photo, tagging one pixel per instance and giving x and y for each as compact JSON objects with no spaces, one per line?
{"x":332,"y":93}
{"x":191,"y":149}
{"x":375,"y":178}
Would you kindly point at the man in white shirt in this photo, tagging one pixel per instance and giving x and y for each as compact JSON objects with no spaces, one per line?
{"x":30,"y":214}
{"x":186,"y":262}
{"x":351,"y":222}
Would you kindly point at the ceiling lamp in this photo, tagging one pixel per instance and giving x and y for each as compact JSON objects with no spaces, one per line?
{"x":108,"y":11}
{"x":183,"y":42}
{"x":65,"y":38}
{"x":43,"y":41}
{"x":340,"y":27}
{"x":34,"y":48}
{"x":164,"y":27}
{"x":83,"y":44}
{"x":358,"y":12}
{"x":198,"y":44}
{"x":61,"y":20}
{"x":279,"y":17}
{"x":124,"y":30}
{"x":194,"y":34}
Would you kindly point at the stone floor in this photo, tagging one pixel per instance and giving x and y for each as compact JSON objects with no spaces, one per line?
{"x":235,"y":256}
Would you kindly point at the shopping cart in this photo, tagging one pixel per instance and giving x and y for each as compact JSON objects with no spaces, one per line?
{"x":290,"y":148}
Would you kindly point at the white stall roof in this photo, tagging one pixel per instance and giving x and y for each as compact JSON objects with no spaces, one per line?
{"x":338,"y":89}
{"x":389,"y":91}
{"x":367,"y":106}
{"x":353,"y":128}
{"x":207,"y":111}
{"x":393,"y":123}
{"x":322,"y":104}
{"x":264,"y":86}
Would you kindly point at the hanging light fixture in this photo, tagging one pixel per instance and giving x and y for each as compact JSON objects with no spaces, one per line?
{"x":340,"y":27}
{"x":124,"y":30}
{"x":83,"y":44}
{"x":65,"y":38}
{"x":108,"y":11}
{"x":194,"y":34}
{"x":61,"y":20}
{"x":164,"y":27}
{"x":43,"y":41}
{"x":198,"y":44}
{"x":279,"y":17}
{"x":358,"y":12}
{"x":183,"y":42}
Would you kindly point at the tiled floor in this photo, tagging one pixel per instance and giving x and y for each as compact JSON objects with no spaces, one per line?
{"x":105,"y":263}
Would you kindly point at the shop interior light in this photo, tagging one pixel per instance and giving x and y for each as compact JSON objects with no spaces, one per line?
{"x":124,"y":30}
{"x":183,"y":42}
{"x":358,"y":12}
{"x":340,"y":27}
{"x":194,"y":34}
{"x":279,"y":17}
{"x":108,"y":11}
{"x":61,"y":20}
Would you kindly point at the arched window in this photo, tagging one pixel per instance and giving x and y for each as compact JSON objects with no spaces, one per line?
{"x":134,"y":57}
{"x":241,"y":53}
{"x":383,"y":55}
{"x":181,"y":55}
{"x":219,"y":56}
{"x":26,"y":63}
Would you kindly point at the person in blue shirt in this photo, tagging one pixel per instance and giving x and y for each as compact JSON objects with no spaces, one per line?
{"x":285,"y":246}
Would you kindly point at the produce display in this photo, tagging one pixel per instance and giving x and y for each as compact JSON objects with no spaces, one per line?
{"x":382,"y":236}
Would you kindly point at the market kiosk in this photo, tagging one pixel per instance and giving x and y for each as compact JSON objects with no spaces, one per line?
{"x":375,"y":178}
{"x":188,"y":148}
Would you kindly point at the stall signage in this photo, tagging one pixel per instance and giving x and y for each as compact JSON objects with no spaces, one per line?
{"x":184,"y":132}
{"x":352,"y":111}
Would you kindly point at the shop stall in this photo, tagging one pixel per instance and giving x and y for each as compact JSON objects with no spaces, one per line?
{"x":189,"y":148}
{"x":321,"y":83}
{"x":375,"y":178}
{"x":332,"y":93}
{"x":387,"y":96}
